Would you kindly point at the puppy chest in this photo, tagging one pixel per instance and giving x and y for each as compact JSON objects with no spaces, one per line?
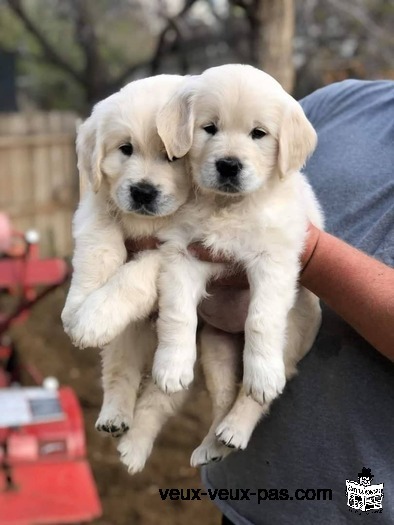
{"x":244,"y":236}
{"x":233,"y":234}
{"x":242,"y":230}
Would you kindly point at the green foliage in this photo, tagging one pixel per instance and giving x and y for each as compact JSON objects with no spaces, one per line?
{"x":122,"y":40}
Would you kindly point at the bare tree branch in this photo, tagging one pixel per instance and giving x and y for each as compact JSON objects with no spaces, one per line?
{"x":358,"y":13}
{"x":51,"y":54}
{"x":86,"y":36}
{"x":247,"y":6}
{"x":172,"y":24}
{"x":160,"y":51}
{"x":95,"y":70}
{"x":129,"y":72}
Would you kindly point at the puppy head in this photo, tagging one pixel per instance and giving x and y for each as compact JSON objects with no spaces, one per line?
{"x":240,"y":127}
{"x":121,"y":153}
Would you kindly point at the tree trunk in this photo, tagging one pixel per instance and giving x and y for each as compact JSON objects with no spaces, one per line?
{"x":273,"y":39}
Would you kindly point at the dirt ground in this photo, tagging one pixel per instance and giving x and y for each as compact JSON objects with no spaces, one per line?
{"x":131,"y":500}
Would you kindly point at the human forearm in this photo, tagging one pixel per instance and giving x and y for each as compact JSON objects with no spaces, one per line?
{"x":359,"y":288}
{"x":354,"y":285}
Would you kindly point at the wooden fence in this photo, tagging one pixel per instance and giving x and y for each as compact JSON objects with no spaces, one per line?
{"x":38,"y":176}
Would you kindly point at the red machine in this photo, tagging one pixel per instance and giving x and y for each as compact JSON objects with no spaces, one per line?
{"x":44,"y":477}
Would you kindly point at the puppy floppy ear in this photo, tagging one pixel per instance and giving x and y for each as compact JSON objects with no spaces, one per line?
{"x":297,"y":139}
{"x":175,"y":120}
{"x":90,"y":153}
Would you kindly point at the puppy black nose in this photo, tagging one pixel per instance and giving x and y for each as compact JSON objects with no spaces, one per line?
{"x":228,"y":167}
{"x":143,"y":193}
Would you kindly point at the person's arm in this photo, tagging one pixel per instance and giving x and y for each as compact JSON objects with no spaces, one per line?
{"x":359,"y":288}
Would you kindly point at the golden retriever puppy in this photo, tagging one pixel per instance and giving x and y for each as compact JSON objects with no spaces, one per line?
{"x":134,"y":191}
{"x":246,"y":140}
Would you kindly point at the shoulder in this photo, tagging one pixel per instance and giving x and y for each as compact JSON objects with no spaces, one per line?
{"x":337,"y":101}
{"x":351,"y":170}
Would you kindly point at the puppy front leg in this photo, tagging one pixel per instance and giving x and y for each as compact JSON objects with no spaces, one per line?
{"x":129,"y":295}
{"x":181,"y":285}
{"x":272,"y":280}
{"x":99,"y":252}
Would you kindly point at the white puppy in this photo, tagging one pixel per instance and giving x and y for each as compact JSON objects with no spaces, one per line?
{"x":134,"y":192}
{"x":247,"y":139}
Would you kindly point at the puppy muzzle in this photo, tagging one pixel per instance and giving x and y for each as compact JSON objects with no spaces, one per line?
{"x":144,"y":198}
{"x":228,"y":178}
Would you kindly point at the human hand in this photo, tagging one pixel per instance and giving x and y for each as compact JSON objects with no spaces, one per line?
{"x":134,"y":246}
{"x":227,"y":306}
{"x":237,"y":278}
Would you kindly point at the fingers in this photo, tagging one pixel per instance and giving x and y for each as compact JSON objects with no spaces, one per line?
{"x":204,"y":254}
{"x":142,"y":244}
{"x":237,"y":279}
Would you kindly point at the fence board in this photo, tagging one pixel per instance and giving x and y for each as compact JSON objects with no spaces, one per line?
{"x":38,"y":176}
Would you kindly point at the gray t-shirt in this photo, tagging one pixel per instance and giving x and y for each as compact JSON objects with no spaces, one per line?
{"x":337,"y":415}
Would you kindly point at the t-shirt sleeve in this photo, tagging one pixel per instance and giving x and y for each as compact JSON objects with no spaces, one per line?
{"x":352,"y":169}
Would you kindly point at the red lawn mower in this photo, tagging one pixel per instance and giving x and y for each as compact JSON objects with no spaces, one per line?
{"x":44,"y":476}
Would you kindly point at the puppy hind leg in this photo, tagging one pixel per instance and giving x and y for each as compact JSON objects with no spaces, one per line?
{"x":221,"y":356}
{"x":122,"y":364}
{"x":181,"y":286}
{"x":236,"y":428}
{"x":303,"y":324}
{"x":152,"y":410}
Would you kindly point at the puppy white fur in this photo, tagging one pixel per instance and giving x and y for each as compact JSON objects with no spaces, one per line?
{"x":247,"y":139}
{"x":134,"y":191}
{"x":264,"y":220}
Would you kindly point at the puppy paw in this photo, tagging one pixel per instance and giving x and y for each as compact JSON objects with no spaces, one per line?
{"x":264,"y":379}
{"x":68,"y":317}
{"x":116,"y":414}
{"x":134,"y":452}
{"x":232,"y":435}
{"x":172,"y":371}
{"x":114,"y":426}
{"x":98,"y":321}
{"x":209,"y":451}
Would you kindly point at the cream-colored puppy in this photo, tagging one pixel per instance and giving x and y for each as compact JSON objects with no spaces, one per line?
{"x":247,"y":139}
{"x":134,"y":192}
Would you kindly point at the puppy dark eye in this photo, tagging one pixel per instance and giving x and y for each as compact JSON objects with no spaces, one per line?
{"x":211,"y":129}
{"x":258,"y":133}
{"x":126,"y":149}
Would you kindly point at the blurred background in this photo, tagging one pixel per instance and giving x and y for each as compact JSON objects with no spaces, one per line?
{"x":59,"y":57}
